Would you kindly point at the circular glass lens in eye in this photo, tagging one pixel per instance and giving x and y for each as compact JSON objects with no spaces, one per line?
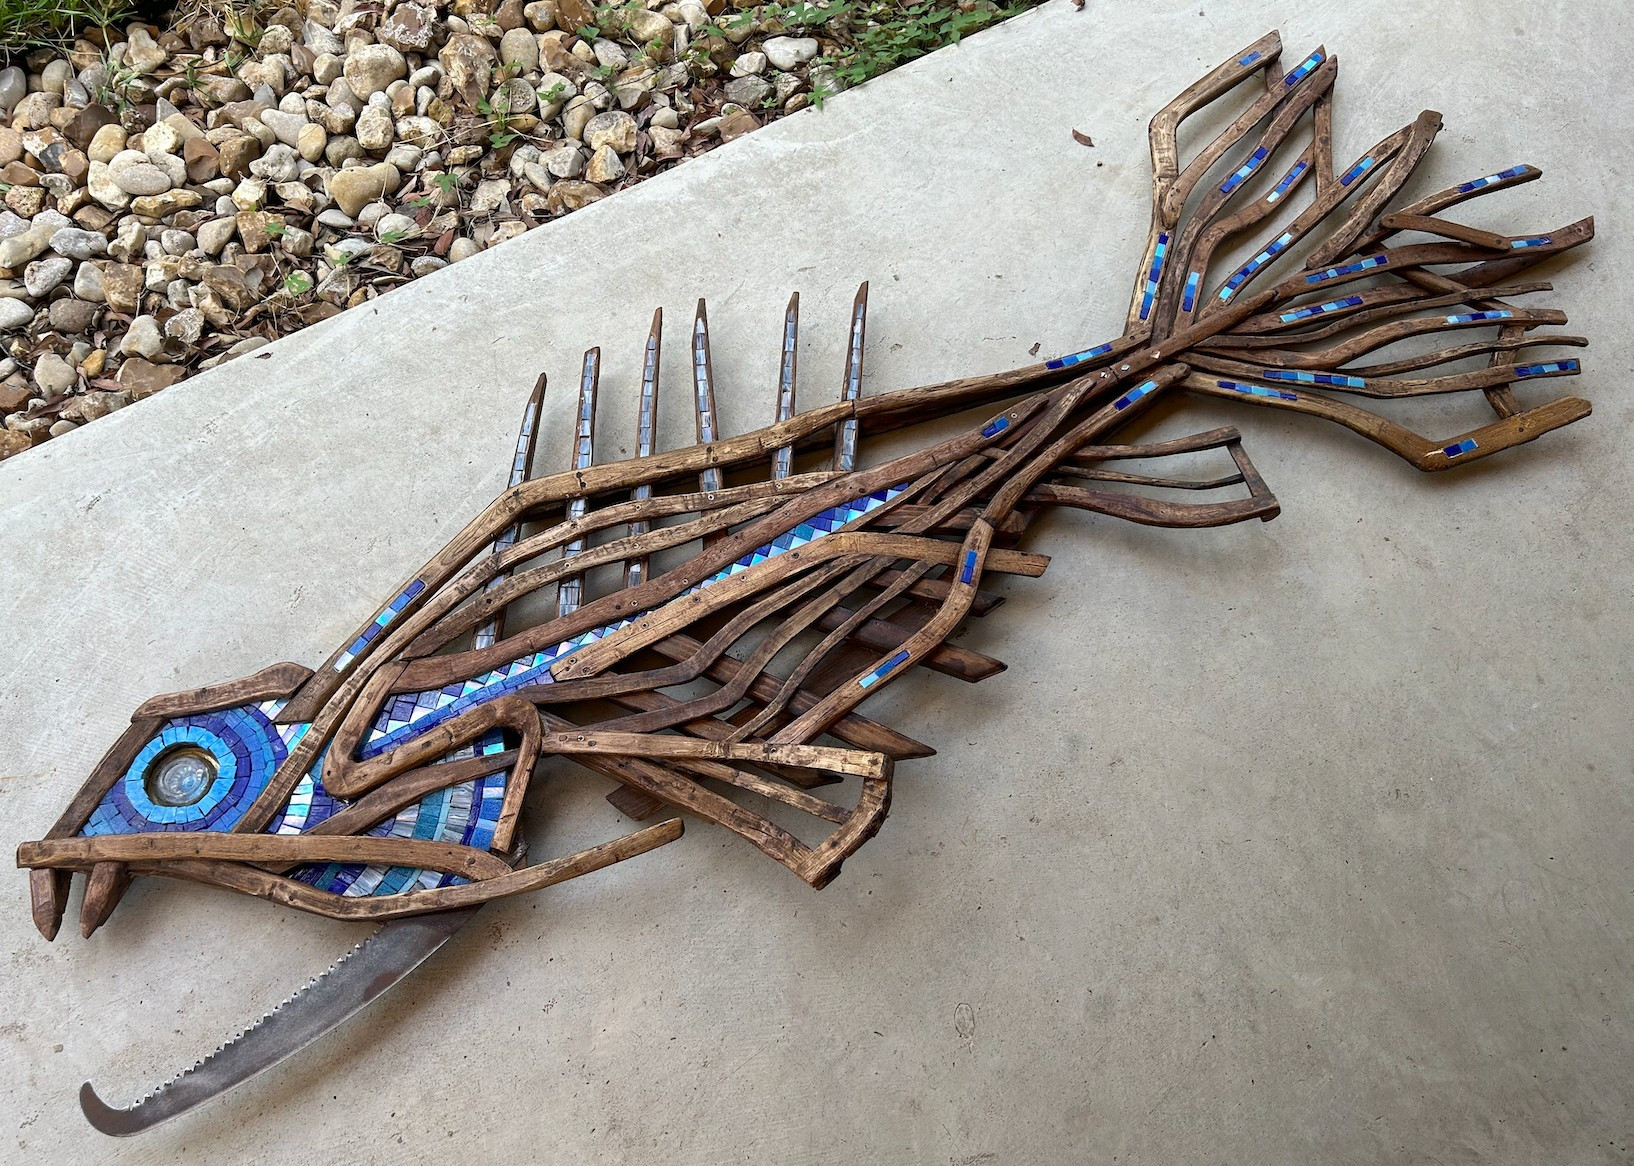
{"x":181,"y":777}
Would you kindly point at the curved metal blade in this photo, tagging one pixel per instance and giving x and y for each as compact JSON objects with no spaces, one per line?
{"x":357,"y":978}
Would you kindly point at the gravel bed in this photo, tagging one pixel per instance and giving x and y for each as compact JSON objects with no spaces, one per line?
{"x":175,"y":196}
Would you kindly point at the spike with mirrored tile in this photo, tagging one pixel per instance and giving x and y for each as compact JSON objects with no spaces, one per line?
{"x":703,"y":395}
{"x":527,"y":441}
{"x":783,"y":459}
{"x":635,"y":570}
{"x":571,"y":591}
{"x":845,"y":437}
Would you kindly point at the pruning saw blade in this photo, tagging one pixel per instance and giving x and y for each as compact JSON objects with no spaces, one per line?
{"x":359,"y":977}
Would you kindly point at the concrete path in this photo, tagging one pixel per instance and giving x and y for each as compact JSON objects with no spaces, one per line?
{"x":1302,"y":843}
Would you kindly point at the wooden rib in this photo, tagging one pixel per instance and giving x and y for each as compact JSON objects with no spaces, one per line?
{"x":1444,"y":228}
{"x":440,"y":622}
{"x":715,"y":729}
{"x":1192,"y":443}
{"x":570,"y":592}
{"x":278,"y":680}
{"x":291,"y":893}
{"x":635,"y":569}
{"x":665,"y":621}
{"x":1153,"y":511}
{"x":853,"y":729}
{"x":1452,"y":196}
{"x":854,"y":762}
{"x":884,"y":635}
{"x":1372,"y":339}
{"x":1420,"y":452}
{"x":83,"y":853}
{"x":527,"y":442}
{"x":1363,"y":381}
{"x":1376,"y":304}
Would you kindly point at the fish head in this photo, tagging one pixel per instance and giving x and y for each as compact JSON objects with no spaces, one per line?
{"x":189,"y":762}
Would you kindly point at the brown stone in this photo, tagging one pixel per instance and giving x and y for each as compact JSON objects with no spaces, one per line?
{"x":14,"y":394}
{"x":237,"y":153}
{"x":221,"y":90}
{"x":556,"y":56}
{"x":40,"y":142}
{"x":230,"y":285}
{"x":13,"y":443}
{"x":570,"y":195}
{"x":203,"y":160}
{"x":574,"y":14}
{"x":509,"y":15}
{"x":141,"y":378}
{"x":737,"y":125}
{"x":86,"y":122}
{"x":27,"y":201}
{"x":122,"y":285}
{"x":19,"y":174}
{"x":72,"y":316}
{"x":410,"y":27}
{"x":253,"y":229}
{"x":75,"y":165}
{"x":468,"y":60}
{"x":157,"y":206}
{"x":93,"y":217}
{"x":237,"y":112}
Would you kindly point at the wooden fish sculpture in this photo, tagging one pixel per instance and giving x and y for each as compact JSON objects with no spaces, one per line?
{"x":767,"y":586}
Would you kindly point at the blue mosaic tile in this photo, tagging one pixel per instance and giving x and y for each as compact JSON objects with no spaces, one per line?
{"x":1078,"y":357}
{"x":1356,"y":171}
{"x":879,"y":673}
{"x":1479,"y":183}
{"x":1314,"y":378}
{"x":1258,"y":391}
{"x":393,"y":610}
{"x":1247,"y":271}
{"x":1553,"y":366}
{"x":1356,"y":268}
{"x":1149,"y":293}
{"x":1188,"y":300}
{"x":1288,"y":179}
{"x":466,"y":814}
{"x":1461,"y":447}
{"x":1305,"y":68}
{"x":1242,"y":172}
{"x":1134,"y":395}
{"x":1321,"y":309}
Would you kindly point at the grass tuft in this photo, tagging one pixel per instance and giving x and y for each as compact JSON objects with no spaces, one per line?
{"x":27,"y":24}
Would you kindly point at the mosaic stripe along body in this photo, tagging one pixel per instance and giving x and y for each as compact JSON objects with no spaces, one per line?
{"x":767,"y":586}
